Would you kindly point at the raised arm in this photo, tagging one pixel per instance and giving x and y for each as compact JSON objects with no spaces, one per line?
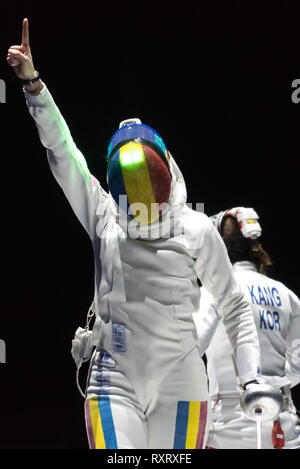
{"x":66,"y":161}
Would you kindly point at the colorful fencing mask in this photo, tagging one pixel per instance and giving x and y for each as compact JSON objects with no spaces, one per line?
{"x":139,"y":177}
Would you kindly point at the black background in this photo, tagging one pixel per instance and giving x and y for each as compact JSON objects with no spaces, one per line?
{"x":214,"y":78}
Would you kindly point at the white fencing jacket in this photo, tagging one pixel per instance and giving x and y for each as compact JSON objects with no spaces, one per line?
{"x":146,"y":290}
{"x":276,"y":312}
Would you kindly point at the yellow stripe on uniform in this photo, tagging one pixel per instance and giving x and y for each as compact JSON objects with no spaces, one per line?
{"x":193,"y":425}
{"x":137,"y":182}
{"x":96,"y":424}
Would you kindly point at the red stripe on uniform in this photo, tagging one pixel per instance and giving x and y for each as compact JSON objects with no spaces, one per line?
{"x":89,"y":426}
{"x":202,"y":425}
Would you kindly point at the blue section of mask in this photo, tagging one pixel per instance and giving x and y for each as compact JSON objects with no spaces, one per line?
{"x":135,"y":132}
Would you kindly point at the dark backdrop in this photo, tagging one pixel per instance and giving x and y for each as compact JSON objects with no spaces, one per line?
{"x":215,"y":81}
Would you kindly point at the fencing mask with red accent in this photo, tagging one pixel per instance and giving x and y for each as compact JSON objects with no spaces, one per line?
{"x":139,"y":177}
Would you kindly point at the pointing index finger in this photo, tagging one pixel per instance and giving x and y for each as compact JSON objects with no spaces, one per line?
{"x":25,"y":33}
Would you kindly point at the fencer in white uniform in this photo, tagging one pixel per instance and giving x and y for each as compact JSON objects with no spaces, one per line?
{"x":276,"y":312}
{"x":147,"y":385}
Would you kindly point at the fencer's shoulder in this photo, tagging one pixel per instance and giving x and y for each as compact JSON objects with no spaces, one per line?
{"x":190,"y":228}
{"x":197,"y":218}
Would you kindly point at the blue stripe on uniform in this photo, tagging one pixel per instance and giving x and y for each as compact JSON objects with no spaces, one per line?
{"x":107,"y":422}
{"x":181,"y":424}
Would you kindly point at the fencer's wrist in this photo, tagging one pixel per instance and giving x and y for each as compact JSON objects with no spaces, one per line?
{"x":33,"y":84}
{"x":34,"y":88}
{"x":30,"y":79}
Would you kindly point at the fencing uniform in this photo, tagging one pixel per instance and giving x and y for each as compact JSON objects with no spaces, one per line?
{"x":276,"y":312}
{"x":147,"y":385}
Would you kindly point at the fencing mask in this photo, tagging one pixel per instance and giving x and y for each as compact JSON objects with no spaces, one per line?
{"x":139,"y":177}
